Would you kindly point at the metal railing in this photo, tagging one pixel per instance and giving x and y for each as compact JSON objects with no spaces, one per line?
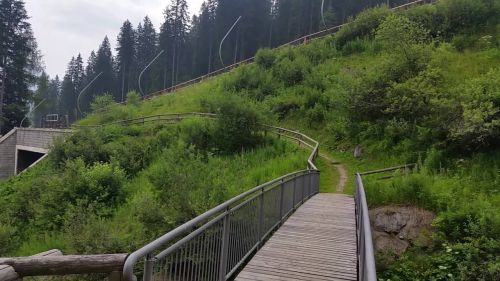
{"x":172,"y":118}
{"x":214,"y":245}
{"x":366,"y":254}
{"x":366,"y":257}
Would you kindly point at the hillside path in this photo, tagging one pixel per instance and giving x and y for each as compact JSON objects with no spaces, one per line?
{"x":340,"y":169}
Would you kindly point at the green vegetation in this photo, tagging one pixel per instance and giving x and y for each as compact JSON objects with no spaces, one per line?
{"x":115,"y":188}
{"x":412,"y":86}
{"x":420,"y":86}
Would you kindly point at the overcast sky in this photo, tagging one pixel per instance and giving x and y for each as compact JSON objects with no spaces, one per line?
{"x":64,"y":28}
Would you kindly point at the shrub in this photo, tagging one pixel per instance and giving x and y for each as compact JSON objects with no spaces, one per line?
{"x":292,"y":72}
{"x":237,"y":126}
{"x":398,"y":33}
{"x":7,"y":234}
{"x":265,"y":58}
{"x":102,"y":102}
{"x":363,"y":25}
{"x":460,"y":15}
{"x":479,"y":126}
{"x":133,"y":98}
{"x":83,"y":144}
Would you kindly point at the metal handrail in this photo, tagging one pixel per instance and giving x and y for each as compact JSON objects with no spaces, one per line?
{"x":366,"y":257}
{"x":175,"y":117}
{"x":406,"y":166}
{"x":273,"y":201}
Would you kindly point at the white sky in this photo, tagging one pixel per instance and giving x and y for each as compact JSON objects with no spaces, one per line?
{"x":64,"y":28}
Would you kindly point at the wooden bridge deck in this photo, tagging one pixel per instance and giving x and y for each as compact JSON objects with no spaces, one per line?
{"x":317,"y":243}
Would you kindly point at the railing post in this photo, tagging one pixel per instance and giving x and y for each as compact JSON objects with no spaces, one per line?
{"x":294,"y":192}
{"x":148,"y":268}
{"x":261,"y":215}
{"x":224,"y":247}
{"x":282,"y":191}
{"x":303,"y":188}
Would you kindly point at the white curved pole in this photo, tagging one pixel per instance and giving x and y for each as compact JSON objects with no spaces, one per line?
{"x":323,"y":13}
{"x":84,"y":89}
{"x":222,"y":41}
{"x":147,"y":66}
{"x":34,"y":108}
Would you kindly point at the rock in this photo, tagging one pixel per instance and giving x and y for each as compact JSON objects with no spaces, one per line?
{"x":395,"y":228}
{"x":388,"y":243}
{"x":358,"y":151}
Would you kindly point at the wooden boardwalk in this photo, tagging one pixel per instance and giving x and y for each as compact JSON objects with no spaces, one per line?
{"x":317,"y":243}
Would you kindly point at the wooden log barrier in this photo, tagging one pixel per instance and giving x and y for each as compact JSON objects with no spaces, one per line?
{"x":54,"y":263}
{"x":7,"y":272}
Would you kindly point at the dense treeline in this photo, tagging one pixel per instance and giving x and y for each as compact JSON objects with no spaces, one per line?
{"x":19,"y":63}
{"x":191,"y":45}
{"x":190,"y":48}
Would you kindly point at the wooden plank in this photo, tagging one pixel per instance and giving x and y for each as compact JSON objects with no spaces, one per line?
{"x":317,"y":242}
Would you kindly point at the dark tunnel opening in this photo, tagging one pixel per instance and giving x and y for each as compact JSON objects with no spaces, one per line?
{"x":26,"y":158}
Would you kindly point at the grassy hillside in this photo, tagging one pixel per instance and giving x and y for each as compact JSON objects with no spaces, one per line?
{"x":412,"y":86}
{"x":113,"y":189}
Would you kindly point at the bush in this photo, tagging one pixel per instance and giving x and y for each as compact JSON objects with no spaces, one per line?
{"x":265,"y":58}
{"x":237,"y":127}
{"x":479,"y":127}
{"x":460,"y":15}
{"x":133,"y":98}
{"x":292,"y":72}
{"x":363,"y":25}
{"x":102,"y":102}
{"x":83,"y":144}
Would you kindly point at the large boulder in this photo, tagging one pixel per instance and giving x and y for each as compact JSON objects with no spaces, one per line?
{"x":395,"y":228}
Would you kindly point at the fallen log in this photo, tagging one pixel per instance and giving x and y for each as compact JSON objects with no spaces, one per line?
{"x":65,"y":265}
{"x":8,"y":273}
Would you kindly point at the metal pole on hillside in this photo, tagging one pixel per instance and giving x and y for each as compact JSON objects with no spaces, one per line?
{"x":2,"y":92}
{"x":147,"y":66}
{"x":84,"y":89}
{"x":323,"y":13}
{"x":34,"y":108}
{"x":222,"y":41}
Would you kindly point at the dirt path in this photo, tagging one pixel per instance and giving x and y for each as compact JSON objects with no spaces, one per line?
{"x":340,"y":169}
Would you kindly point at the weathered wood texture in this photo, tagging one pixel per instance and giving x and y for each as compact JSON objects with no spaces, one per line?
{"x":7,"y":272}
{"x":317,"y":243}
{"x":63,"y":265}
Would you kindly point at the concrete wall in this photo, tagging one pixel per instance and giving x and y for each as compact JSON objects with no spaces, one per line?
{"x":24,"y":137}
{"x":8,"y":154}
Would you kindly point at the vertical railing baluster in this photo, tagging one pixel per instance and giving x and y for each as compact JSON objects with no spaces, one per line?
{"x":148,"y":268}
{"x":224,"y":247}
{"x":303,"y":188}
{"x":282,"y":191}
{"x":261,"y":215}
{"x":294,"y":192}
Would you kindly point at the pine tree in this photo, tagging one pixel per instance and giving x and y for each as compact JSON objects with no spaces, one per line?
{"x":90,"y":68}
{"x":54,"y":93}
{"x":202,"y":39}
{"x":78,"y":73}
{"x":173,"y":39}
{"x":42,"y":99}
{"x":146,"y":51}
{"x":125,"y":58}
{"x":105,"y":83}
{"x":68,"y":96}
{"x":19,"y":59}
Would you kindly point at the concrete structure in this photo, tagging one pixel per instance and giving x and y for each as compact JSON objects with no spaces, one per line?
{"x":23,"y":147}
